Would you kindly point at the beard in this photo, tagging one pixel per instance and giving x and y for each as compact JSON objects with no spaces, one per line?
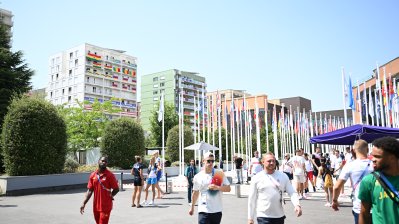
{"x":102,"y":167}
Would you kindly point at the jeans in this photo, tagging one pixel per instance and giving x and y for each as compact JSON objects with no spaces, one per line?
{"x":264,"y":220}
{"x":209,"y":218}
{"x":239,"y":175}
{"x":189,"y":190}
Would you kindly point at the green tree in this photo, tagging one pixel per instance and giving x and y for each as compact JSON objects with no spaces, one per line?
{"x":171,"y":119}
{"x":123,"y":139}
{"x":14,"y":75}
{"x":85,"y":127}
{"x":223,"y":137}
{"x":33,"y":138}
{"x":172,"y":144}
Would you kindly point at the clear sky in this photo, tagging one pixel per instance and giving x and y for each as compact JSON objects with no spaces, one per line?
{"x":279,"y":48}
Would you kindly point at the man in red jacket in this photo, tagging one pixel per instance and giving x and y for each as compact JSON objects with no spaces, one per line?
{"x":105,"y":186}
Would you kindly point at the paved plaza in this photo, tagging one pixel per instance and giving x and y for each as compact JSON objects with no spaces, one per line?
{"x":63,"y":207}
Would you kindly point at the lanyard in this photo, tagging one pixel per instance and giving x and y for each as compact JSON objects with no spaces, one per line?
{"x":102,"y":185}
{"x":389,"y":185}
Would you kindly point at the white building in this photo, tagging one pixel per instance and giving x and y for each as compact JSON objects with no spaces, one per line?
{"x":89,"y":72}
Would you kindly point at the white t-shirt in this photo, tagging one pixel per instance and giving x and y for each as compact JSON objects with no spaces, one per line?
{"x":264,"y":198}
{"x":286,"y":166}
{"x":298,"y":163}
{"x":348,"y":157}
{"x":337,"y":163}
{"x":354,"y":170}
{"x":208,"y":202}
{"x":308,"y":165}
{"x":256,"y":166}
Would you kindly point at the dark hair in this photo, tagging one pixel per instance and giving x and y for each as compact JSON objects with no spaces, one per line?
{"x":388,"y":144}
{"x":306,"y":154}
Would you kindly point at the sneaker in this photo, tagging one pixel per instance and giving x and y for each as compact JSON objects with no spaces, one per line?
{"x":300,"y":197}
{"x":144,"y":202}
{"x":314,"y":189}
{"x":327,"y":204}
{"x":189,"y":204}
{"x":151,"y":202}
{"x":304,"y":196}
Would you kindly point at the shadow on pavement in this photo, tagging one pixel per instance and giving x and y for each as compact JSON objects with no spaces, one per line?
{"x":8,"y":206}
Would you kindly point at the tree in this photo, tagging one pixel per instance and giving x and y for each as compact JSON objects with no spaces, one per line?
{"x":33,"y":138}
{"x":172,"y":144}
{"x":122,"y":140}
{"x":85,"y":127}
{"x":171,"y":119}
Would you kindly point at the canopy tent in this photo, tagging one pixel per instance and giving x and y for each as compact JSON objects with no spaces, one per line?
{"x":348,"y":135}
{"x":201,"y":146}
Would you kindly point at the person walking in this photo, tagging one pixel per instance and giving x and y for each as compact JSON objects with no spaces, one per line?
{"x":326,"y":180}
{"x":104,"y":185}
{"x":316,"y":164}
{"x":379,"y":190}
{"x":298,"y":163}
{"x":208,"y":186}
{"x":138,"y":181}
{"x":256,"y":165}
{"x":158,"y":163}
{"x":191,"y":171}
{"x":286,"y":166}
{"x":238,"y":162}
{"x":265,"y":200}
{"x":309,"y":173}
{"x":355,"y":171}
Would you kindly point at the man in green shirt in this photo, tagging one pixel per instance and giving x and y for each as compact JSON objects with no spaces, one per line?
{"x":372,"y":195}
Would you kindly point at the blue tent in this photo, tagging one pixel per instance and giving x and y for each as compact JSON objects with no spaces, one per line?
{"x":348,"y":135}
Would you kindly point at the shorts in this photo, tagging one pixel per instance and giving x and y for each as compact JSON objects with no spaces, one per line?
{"x":152,"y":180}
{"x":289,"y":175}
{"x":159,"y":175}
{"x":101,"y":217}
{"x":299,"y":178}
{"x":315,"y":173}
{"x":137,"y":181}
{"x":310,"y":175}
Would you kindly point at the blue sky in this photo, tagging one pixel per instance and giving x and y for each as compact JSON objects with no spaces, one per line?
{"x":279,"y":48}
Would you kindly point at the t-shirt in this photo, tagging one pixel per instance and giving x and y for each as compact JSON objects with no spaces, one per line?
{"x":348,"y":157}
{"x":102,"y":201}
{"x":298,"y":163}
{"x":385,"y":211}
{"x":354,"y":171}
{"x":190,"y":172}
{"x":153,"y":171}
{"x":208,"y":201}
{"x":337,"y":164}
{"x":238,"y":162}
{"x":287,"y":166}
{"x":256,"y":166}
{"x":136,"y":169}
{"x":264,"y":198}
{"x":316,"y":158}
{"x":308,"y":165}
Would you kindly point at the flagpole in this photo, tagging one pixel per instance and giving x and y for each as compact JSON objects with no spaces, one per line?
{"x":226,"y":132}
{"x":365,"y":102}
{"x":371,"y":107}
{"x":266,"y":126}
{"x":380,"y":96}
{"x":257,"y":127}
{"x":344,"y":96}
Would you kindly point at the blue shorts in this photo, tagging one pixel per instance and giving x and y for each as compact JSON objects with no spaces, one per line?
{"x":159,"y":175}
{"x":152,"y":180}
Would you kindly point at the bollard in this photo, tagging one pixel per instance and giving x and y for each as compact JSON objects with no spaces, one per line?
{"x":121,"y":182}
{"x":166,"y":183}
{"x":238,"y":190}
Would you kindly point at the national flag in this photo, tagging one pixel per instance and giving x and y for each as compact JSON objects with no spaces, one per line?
{"x":350,"y":95}
{"x":91,"y":56}
{"x":371,"y":104}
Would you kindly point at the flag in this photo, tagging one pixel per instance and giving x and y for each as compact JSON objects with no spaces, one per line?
{"x":161,"y":109}
{"x":350,"y":95}
{"x":371,"y":104}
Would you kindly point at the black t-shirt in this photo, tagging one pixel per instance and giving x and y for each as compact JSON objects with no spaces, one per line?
{"x":136,"y":169}
{"x":238,"y":162}
{"x":316,"y":158}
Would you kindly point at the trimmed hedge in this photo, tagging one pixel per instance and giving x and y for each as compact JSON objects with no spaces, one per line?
{"x":33,"y":138}
{"x":122,"y":140}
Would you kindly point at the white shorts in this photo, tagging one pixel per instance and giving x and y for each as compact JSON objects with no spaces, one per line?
{"x":299,"y":178}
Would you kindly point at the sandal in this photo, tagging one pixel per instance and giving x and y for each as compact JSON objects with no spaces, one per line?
{"x":133,"y":205}
{"x":139,"y":206}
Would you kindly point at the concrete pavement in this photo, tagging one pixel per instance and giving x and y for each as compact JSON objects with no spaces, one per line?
{"x":63,"y":207}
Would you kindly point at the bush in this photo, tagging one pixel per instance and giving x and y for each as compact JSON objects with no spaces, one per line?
{"x":172,"y":144}
{"x":33,"y":138}
{"x":122,"y":140}
{"x":70,"y":165}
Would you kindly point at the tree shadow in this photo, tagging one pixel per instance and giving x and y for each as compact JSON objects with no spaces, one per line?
{"x":8,"y":206}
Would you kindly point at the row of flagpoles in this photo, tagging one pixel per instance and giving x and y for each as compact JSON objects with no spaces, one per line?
{"x":291,"y":127}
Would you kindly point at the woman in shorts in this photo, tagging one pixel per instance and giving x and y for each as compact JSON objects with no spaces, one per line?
{"x":138,"y":181}
{"x":151,"y":181}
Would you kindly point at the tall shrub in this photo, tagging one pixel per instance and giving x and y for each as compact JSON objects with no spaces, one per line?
{"x":172,"y":144}
{"x":33,"y":138}
{"x":122,"y":140}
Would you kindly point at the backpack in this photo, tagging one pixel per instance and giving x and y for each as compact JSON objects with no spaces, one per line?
{"x":328,"y":181}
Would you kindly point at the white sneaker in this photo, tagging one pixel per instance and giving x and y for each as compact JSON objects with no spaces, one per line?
{"x":189,"y":204}
{"x":151,"y":202}
{"x":144,"y":202}
{"x":327,"y":204}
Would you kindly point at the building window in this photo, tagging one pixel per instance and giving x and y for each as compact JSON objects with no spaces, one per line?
{"x":69,"y":99}
{"x":70,"y":72}
{"x":155,"y":92}
{"x":155,"y":99}
{"x":63,"y":91}
{"x":94,"y":89}
{"x":76,"y":53}
{"x":70,"y":55}
{"x":156,"y":86}
{"x":162,"y":84}
{"x":51,"y":94}
{"x":69,"y":90}
{"x":56,"y":76}
{"x":155,"y":79}
{"x":88,"y":79}
{"x":76,"y":62}
{"x":162,"y":77}
{"x":52,"y":77}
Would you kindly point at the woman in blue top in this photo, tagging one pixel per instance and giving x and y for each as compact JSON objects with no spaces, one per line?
{"x":151,"y":181}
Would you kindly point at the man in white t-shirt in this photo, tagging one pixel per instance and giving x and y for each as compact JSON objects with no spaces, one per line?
{"x":266,"y":194}
{"x":348,"y":155}
{"x":256,"y":165}
{"x":355,"y":171}
{"x":208,"y":186}
{"x":298,"y":164}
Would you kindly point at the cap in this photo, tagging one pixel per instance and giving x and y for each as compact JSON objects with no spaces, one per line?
{"x":208,"y":154}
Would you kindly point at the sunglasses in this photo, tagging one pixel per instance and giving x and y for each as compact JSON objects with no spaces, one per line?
{"x":210,"y":161}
